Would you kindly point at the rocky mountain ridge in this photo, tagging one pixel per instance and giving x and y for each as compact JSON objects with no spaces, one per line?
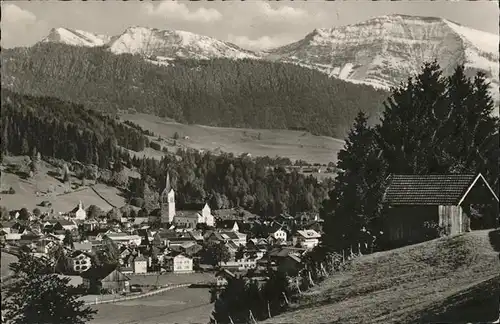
{"x":381,"y":52}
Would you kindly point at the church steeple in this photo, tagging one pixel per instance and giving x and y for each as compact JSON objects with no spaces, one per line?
{"x":167,"y":202}
{"x":167,"y":183}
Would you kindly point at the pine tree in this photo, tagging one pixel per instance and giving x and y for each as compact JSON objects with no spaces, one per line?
{"x":353,"y":201}
{"x":432,"y":124}
{"x":36,"y":295}
{"x":65,"y":177}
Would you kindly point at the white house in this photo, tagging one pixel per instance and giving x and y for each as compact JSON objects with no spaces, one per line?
{"x":194,"y":214}
{"x":229,"y":236}
{"x":124,"y":238}
{"x":45,"y":245}
{"x":206,"y":213}
{"x":307,"y":239}
{"x":83,"y":246}
{"x":278,"y":235}
{"x":80,"y":213}
{"x":13,"y":237}
{"x":140,"y":265}
{"x":80,"y":261}
{"x":188,"y":219}
{"x":242,"y":264}
{"x":178,"y":263}
{"x":67,"y":225}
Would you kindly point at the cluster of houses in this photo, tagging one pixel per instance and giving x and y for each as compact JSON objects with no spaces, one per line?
{"x":171,"y":240}
{"x":168,"y":240}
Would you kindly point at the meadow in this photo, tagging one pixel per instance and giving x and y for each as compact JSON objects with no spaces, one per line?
{"x":296,"y":145}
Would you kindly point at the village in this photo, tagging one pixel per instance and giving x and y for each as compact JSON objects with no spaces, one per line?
{"x":166,"y":242}
{"x":218,"y":244}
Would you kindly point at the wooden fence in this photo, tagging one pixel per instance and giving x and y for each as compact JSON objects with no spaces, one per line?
{"x":151,"y":293}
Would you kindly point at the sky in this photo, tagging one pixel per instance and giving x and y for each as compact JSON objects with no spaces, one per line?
{"x":250,"y":24}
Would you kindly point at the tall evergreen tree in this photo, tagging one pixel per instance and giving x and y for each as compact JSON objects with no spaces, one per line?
{"x":353,"y":202}
{"x":431,"y":125}
{"x":37,"y":295}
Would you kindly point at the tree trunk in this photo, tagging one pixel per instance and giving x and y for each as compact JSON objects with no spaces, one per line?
{"x":297,"y":284}
{"x":252,"y":317}
{"x":323,"y":270}
{"x":309,"y":276}
{"x":286,"y":299}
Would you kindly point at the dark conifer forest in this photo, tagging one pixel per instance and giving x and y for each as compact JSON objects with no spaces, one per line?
{"x":68,"y":131}
{"x":218,"y":92}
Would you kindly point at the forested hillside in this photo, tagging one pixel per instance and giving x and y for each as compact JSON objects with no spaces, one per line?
{"x":218,"y":92}
{"x":67,"y":131}
{"x":62,"y":129}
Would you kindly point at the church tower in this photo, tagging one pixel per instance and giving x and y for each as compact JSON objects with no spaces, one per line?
{"x":167,"y":203}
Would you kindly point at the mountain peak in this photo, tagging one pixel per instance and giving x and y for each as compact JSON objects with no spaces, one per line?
{"x":383,"y":51}
{"x":75,"y":37}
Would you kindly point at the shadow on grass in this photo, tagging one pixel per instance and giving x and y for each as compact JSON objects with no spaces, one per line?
{"x":478,"y":304}
{"x":495,"y":239}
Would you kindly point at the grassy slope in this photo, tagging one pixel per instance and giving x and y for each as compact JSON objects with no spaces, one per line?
{"x":52,"y":189}
{"x":404,"y":285}
{"x":285,"y":143}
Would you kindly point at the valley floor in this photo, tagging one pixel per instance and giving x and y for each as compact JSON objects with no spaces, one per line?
{"x":183,"y":305}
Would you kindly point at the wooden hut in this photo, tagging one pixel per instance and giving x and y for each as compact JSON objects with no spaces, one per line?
{"x":106,"y":277}
{"x":420,"y":207}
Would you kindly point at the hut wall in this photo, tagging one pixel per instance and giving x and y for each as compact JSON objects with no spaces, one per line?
{"x":454,"y":219}
{"x":405,"y":224}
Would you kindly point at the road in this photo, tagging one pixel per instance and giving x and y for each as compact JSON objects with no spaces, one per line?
{"x":183,"y":305}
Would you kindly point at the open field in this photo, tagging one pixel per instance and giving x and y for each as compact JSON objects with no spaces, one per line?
{"x":409,"y":284}
{"x":183,"y":305}
{"x":296,"y":145}
{"x":44,"y":187}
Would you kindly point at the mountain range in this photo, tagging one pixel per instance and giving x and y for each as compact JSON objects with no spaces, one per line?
{"x":381,"y":52}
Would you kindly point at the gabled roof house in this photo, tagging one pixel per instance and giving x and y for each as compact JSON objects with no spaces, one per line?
{"x":421,"y":206}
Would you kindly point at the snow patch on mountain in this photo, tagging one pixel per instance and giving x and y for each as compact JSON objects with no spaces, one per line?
{"x":75,"y":37}
{"x":152,"y":43}
{"x":483,"y":41}
{"x":346,"y":70}
{"x":384,"y":51}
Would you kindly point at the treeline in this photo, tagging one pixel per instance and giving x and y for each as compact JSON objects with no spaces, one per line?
{"x":218,"y":92}
{"x":63,"y":130}
{"x":227,"y":181}
{"x":139,"y":128}
{"x":431,"y":125}
{"x":67,"y":131}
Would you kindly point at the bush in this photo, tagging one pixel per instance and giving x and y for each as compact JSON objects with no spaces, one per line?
{"x":434,"y":230}
{"x":155,"y":146}
{"x":137,"y":202}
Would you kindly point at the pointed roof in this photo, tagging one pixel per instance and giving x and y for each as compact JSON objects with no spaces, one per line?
{"x":441,"y":189}
{"x":167,"y":184}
